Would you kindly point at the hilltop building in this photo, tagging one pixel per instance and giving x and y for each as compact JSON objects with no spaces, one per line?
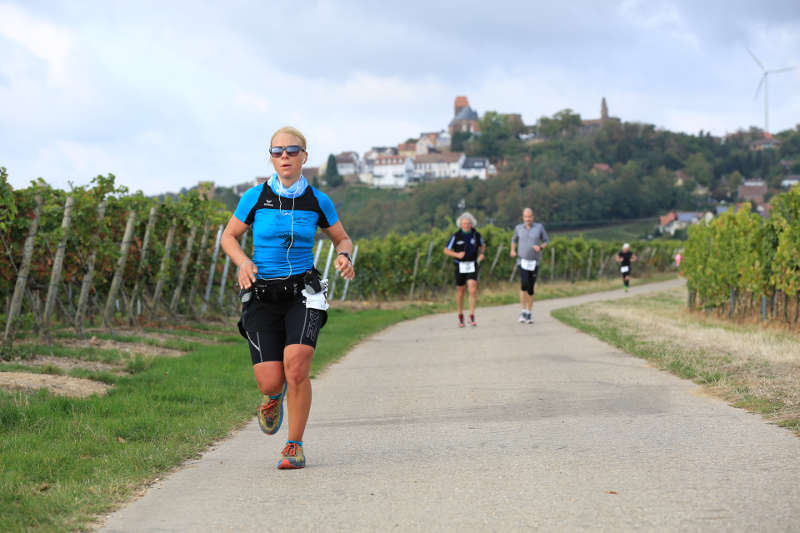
{"x":591,"y":126}
{"x":752,"y":191}
{"x":347,"y":163}
{"x":465,"y":119}
{"x":767,"y":143}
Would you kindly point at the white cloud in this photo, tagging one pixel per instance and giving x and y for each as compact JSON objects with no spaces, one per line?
{"x":45,"y":40}
{"x":164,"y":95}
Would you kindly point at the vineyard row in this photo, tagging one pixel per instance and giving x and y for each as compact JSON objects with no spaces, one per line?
{"x":98,"y":255}
{"x":743,"y":266}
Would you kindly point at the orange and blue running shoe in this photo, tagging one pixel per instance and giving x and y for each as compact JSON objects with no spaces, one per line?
{"x":292,"y":456}
{"x":270,"y":412}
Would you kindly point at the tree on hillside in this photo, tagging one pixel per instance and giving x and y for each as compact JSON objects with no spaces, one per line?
{"x":332,"y":176}
{"x":565,"y":123}
{"x":700,"y":169}
{"x":459,"y":140}
{"x":496,"y":138}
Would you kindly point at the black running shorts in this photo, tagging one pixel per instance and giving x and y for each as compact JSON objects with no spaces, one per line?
{"x":271,"y":326}
{"x":527,"y":279}
{"x":461,"y":279}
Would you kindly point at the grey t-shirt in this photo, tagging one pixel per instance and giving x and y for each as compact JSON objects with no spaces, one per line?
{"x":527,"y":238}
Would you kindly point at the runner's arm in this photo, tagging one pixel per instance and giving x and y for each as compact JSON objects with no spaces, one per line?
{"x":544,"y":240}
{"x":449,"y":251}
{"x":342,"y":244}
{"x":230,"y":244}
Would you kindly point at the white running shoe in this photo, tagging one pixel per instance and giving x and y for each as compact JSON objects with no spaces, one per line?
{"x":530,"y":317}
{"x":522,"y":317}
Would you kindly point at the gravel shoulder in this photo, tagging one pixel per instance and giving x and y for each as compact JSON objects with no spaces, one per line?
{"x":427,"y":427}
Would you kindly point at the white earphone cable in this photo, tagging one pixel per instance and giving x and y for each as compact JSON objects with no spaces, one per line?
{"x":291,"y":237}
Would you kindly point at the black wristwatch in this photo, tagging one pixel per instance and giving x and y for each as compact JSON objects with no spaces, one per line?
{"x":347,"y":256}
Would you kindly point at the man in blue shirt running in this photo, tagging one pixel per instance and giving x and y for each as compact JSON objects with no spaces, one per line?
{"x":284,"y":302}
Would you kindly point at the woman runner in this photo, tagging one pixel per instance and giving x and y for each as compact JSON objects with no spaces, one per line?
{"x":283,"y":299}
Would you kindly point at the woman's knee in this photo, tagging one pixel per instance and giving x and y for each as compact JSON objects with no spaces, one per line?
{"x":297,"y":363}
{"x":269,"y":377}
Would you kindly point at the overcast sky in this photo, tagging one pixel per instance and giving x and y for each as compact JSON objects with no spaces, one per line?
{"x":164,"y":94}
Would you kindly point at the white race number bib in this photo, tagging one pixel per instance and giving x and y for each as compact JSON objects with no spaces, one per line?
{"x":625,"y":269}
{"x":528,"y":264}
{"x":466,"y":267}
{"x":317,"y":300}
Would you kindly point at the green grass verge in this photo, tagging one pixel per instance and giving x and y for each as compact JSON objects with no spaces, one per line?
{"x":626,"y":231}
{"x":65,"y":460}
{"x":733,"y":380}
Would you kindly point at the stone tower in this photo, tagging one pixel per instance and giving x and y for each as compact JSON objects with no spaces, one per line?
{"x":603,"y":110}
{"x":460,"y":103}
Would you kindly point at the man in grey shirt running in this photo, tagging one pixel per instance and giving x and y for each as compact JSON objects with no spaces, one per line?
{"x":528,"y":240}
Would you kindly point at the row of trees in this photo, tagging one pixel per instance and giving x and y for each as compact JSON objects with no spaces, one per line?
{"x":555,"y":174}
{"x":744,"y":266}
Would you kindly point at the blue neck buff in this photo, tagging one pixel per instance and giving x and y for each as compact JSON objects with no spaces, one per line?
{"x":296,"y":190}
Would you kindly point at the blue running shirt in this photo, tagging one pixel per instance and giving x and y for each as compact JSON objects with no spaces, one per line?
{"x":277,"y":228}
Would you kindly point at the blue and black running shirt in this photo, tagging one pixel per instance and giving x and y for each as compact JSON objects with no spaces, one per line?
{"x":284,"y":228}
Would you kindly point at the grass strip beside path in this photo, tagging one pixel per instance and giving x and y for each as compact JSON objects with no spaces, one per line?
{"x":751,"y":367}
{"x":64,"y":461}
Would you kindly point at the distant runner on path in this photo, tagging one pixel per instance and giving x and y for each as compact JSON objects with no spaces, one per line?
{"x":466,"y":247}
{"x":528,"y":240}
{"x":284,"y":303}
{"x":625,"y":258}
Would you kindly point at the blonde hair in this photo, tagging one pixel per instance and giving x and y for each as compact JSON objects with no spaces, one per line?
{"x":468,"y":216}
{"x":291,"y":131}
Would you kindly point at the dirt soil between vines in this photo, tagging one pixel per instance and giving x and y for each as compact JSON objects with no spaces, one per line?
{"x":132,"y":348}
{"x":59,"y":385}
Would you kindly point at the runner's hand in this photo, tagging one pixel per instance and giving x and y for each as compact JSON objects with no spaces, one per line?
{"x":460,"y":255}
{"x":481,"y":258}
{"x":513,"y":253}
{"x":344,"y":267}
{"x":537,"y":248}
{"x":247,"y":274}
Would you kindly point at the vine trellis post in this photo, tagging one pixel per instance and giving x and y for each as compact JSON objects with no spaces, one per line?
{"x":86,"y":282}
{"x":22,"y":276}
{"x":148,"y":232}
{"x":162,"y":270}
{"x":117,"y":280}
{"x":55,"y":273}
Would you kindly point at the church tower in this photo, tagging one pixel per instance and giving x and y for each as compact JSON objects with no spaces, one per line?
{"x":460,"y":103}
{"x":603,"y":110}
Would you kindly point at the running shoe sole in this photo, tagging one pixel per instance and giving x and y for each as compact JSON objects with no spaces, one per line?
{"x":287,"y":464}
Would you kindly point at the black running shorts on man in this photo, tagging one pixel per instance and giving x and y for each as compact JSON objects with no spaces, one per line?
{"x":470,"y":243}
{"x":625,"y":263}
{"x":527,"y":279}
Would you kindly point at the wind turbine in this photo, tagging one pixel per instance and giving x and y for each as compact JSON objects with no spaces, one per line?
{"x":765,"y":82}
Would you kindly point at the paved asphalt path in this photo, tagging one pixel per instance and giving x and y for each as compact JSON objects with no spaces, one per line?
{"x":503,"y":427}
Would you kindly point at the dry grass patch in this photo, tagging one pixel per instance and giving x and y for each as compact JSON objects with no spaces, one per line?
{"x":67,"y":364}
{"x":752,"y":367}
{"x":58,"y":385}
{"x":130,"y":348}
